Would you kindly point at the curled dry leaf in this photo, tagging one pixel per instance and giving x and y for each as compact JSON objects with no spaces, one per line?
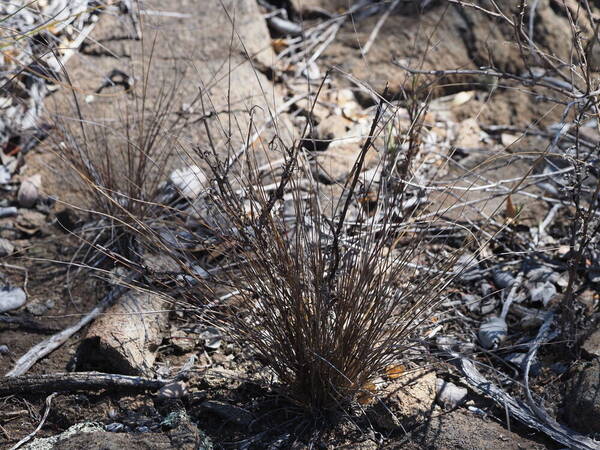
{"x":395,"y":371}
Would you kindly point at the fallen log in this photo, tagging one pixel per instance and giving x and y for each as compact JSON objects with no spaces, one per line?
{"x":125,"y":338}
{"x":77,"y":381}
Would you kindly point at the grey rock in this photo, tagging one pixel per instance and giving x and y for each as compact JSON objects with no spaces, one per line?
{"x":8,"y":211}
{"x":543,"y":274}
{"x":29,"y":191}
{"x":53,"y":442}
{"x":4,"y":174}
{"x":11,"y":298}
{"x":450,"y":395}
{"x":4,"y":349}
{"x":190,"y":181}
{"x":6,"y":248}
{"x":503,"y":279}
{"x":176,"y":389}
{"x":115,"y":427}
{"x":492,"y":332}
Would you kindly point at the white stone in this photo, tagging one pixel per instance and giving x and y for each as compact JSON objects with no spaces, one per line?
{"x":190,"y":181}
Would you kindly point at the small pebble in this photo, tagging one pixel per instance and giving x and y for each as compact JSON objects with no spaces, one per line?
{"x":4,"y":349}
{"x":114,"y":427}
{"x":29,"y":193}
{"x":450,"y":395}
{"x":176,"y":389}
{"x":6,"y":248}
{"x":190,"y":181}
{"x":11,"y":298}
{"x":503,"y":279}
{"x":8,"y":211}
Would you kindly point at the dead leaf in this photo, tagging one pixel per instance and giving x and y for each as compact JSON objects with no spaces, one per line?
{"x":366,"y":393}
{"x":395,"y":371}
{"x":279,"y":45}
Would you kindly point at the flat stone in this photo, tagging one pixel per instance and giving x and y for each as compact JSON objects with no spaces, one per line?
{"x":11,"y":298}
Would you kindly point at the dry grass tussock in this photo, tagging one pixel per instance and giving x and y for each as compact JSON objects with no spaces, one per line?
{"x":330,"y":296}
{"x":329,"y":300}
{"x":120,"y":163}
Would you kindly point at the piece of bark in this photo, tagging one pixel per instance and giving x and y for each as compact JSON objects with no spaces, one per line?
{"x":124,"y":340}
{"x":77,"y":381}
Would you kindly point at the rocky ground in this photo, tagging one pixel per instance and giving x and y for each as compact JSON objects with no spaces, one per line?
{"x":247,"y":55}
